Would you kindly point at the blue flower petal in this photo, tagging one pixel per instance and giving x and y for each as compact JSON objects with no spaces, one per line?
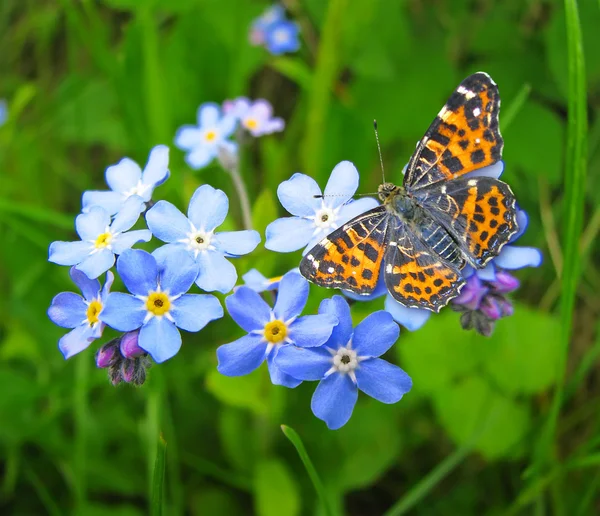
{"x":215,"y":272}
{"x":161,"y":338}
{"x":123,"y":312}
{"x":289,"y":234}
{"x":161,"y":253}
{"x":304,"y":363}
{"x":208,"y":115}
{"x":188,"y":137}
{"x":67,"y":310}
{"x":241,"y":356}
{"x":237,"y":243}
{"x":342,"y":184}
{"x":97,"y":263}
{"x":89,"y":287}
{"x":334,"y":400}
{"x":110,"y":201}
{"x":383,"y":381}
{"x":292,"y":296}
{"x":178,"y":272}
{"x":138,"y":270}
{"x":375,"y":334}
{"x":312,"y":330}
{"x":248,"y":309}
{"x":157,"y":168}
{"x":76,"y":340}
{"x":93,"y":223}
{"x":124,"y":176}
{"x":200,"y":156}
{"x":192,"y":312}
{"x":278,"y":377}
{"x":411,"y":318}
{"x":522,"y":223}
{"x":494,"y":171}
{"x":512,"y":257}
{"x":355,"y":208}
{"x":227,"y":125}
{"x":110,"y":277}
{"x":297,"y":195}
{"x":488,"y":273}
{"x":69,"y":253}
{"x":128,"y":215}
{"x":126,"y":240}
{"x":257,"y":282}
{"x":167,"y":223}
{"x":208,"y":208}
{"x":338,"y":307}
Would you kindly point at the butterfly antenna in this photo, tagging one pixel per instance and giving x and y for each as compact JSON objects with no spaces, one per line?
{"x":379,"y":149}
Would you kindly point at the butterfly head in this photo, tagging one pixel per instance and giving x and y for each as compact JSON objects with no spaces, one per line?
{"x":386,"y":190}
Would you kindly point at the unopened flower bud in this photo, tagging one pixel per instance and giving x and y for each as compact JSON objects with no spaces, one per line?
{"x":129,"y":345}
{"x":108,"y":354}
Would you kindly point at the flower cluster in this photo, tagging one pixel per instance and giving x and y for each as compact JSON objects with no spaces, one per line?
{"x":274,"y":32}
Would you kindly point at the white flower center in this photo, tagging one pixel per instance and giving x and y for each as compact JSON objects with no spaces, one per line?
{"x":158,"y":303}
{"x":139,"y":189}
{"x":104,"y":241}
{"x":198,"y":240}
{"x":281,"y":36}
{"x":325,"y":218}
{"x":344,"y":361}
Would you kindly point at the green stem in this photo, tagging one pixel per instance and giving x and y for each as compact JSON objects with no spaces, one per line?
{"x":80,"y":401}
{"x":158,"y":477}
{"x":242,"y":193}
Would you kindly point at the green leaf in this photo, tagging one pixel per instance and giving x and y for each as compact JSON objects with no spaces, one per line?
{"x":240,"y":391}
{"x":463,"y":407}
{"x":233,"y":432}
{"x":276,"y":492}
{"x":158,"y":477}
{"x":264,"y":211}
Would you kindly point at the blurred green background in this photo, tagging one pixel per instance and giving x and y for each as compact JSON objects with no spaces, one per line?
{"x":89,"y":82}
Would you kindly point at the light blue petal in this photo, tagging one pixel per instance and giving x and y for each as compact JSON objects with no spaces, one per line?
{"x":138,"y":270}
{"x":110,"y":201}
{"x":128,"y":215}
{"x":188,"y":137}
{"x":304,"y":363}
{"x":67,"y":310}
{"x":192,"y":312}
{"x":208,"y":208}
{"x":110,"y":277}
{"x":334,"y":400}
{"x":411,"y":318}
{"x":512,"y":257}
{"x":201,"y":156}
{"x":178,"y":272}
{"x":69,"y":253}
{"x":488,"y":273}
{"x":317,"y":236}
{"x":289,"y":234}
{"x":375,"y":334}
{"x":156,"y":169}
{"x":215,"y":272}
{"x":248,"y":309}
{"x":97,"y":263}
{"x":160,"y":254}
{"x":380,"y":289}
{"x":312,"y":330}
{"x":167,"y":223}
{"x":93,"y":223}
{"x":227,"y":126}
{"x":355,"y":208}
{"x":522,"y":223}
{"x":241,"y":356}
{"x":90,"y":288}
{"x":338,"y":307}
{"x":297,"y":195}
{"x":494,"y":171}
{"x":76,"y":340}
{"x":123,"y":312}
{"x":342,"y":184}
{"x":161,"y":338}
{"x":124,"y":176}
{"x":126,"y":240}
{"x":383,"y":381}
{"x":237,"y":243}
{"x":278,"y":377}
{"x":256,"y":281}
{"x":208,"y":115}
{"x":292,"y":296}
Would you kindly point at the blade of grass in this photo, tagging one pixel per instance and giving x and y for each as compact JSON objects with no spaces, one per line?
{"x":512,"y":110}
{"x":158,"y":477}
{"x":294,"y":438}
{"x":35,"y":214}
{"x":80,"y":400}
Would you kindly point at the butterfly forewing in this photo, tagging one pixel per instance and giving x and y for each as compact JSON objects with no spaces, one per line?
{"x":463,"y":137}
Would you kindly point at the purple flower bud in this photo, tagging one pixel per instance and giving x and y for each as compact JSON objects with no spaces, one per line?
{"x":129,"y":345}
{"x":471,"y":294}
{"x":506,"y":306}
{"x":114,"y":374}
{"x":108,"y":354}
{"x":490,"y":308}
{"x":128,"y":370}
{"x":504,"y":282}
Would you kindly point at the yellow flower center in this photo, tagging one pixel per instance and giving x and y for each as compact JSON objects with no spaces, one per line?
{"x":275,"y":331}
{"x":250,"y":123}
{"x":210,"y":135}
{"x":103,"y":240}
{"x":93,"y":309}
{"x":158,"y":303}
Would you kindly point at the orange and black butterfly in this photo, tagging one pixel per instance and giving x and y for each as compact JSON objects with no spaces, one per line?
{"x":438,"y":221}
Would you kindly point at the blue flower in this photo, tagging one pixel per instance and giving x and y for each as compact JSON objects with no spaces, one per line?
{"x":101,"y":240}
{"x":259,"y":283}
{"x":282,"y":37}
{"x":254,"y":116}
{"x":314,"y":218}
{"x":203,"y":142}
{"x":126,"y":179}
{"x":70,"y":310}
{"x":159,"y":304}
{"x":3,"y":112}
{"x":196,"y":234}
{"x":347,"y":363}
{"x":260,"y":25}
{"x":271,"y":330}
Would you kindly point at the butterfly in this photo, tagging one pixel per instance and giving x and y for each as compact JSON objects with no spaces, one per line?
{"x":441,"y":218}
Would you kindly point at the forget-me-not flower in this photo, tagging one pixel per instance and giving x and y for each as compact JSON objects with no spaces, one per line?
{"x":126,"y":179}
{"x":256,"y":117}
{"x":196,"y":234}
{"x":315,"y":216}
{"x":347,"y":363}
{"x":202,"y":142}
{"x":272,"y":329}
{"x":3,"y":111}
{"x":101,"y":239}
{"x":260,"y":283}
{"x":261,"y":25}
{"x":70,"y":310}
{"x":282,"y":37}
{"x":158,"y":304}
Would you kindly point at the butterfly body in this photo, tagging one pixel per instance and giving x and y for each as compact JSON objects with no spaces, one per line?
{"x":440,"y":219}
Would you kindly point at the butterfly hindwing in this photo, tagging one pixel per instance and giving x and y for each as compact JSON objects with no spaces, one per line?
{"x":350,"y":257}
{"x":463,"y":137}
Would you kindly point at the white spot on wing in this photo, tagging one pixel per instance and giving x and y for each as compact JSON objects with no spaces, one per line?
{"x":389,"y":268}
{"x":472,"y":182}
{"x":330,"y":270}
{"x":476,"y":112}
